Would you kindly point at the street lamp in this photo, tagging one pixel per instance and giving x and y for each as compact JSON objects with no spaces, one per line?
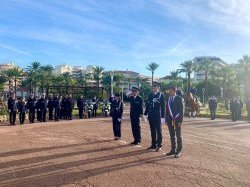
{"x":203,"y":92}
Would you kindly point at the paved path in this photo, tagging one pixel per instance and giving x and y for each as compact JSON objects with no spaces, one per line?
{"x":83,"y":153}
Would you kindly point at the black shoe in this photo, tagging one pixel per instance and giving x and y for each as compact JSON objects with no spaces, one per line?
{"x":158,"y":148}
{"x":152,"y":147}
{"x":137,"y":143}
{"x":177,"y":154}
{"x":133,"y":143}
{"x":171,"y":153}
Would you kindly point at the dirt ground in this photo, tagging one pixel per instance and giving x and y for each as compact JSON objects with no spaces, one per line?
{"x":83,"y":153}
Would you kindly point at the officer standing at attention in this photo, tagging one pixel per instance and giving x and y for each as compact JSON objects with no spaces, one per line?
{"x":42,"y":107}
{"x":136,"y":112}
{"x":50,"y":107}
{"x":70,"y":107}
{"x":64,"y":107}
{"x":116,"y":114}
{"x":31,"y":106}
{"x":12,"y":109}
{"x":81,"y":106}
{"x":155,"y":109}
{"x":21,"y":110}
{"x":95,"y":106}
{"x":57,"y":105}
{"x":174,"y":118}
{"x":248,"y":109}
{"x":212,"y":106}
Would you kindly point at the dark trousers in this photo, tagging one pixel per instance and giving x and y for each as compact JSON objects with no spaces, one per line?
{"x":234,"y":115}
{"x":175,"y":133}
{"x":57,"y":114}
{"x":43,"y":115}
{"x":116,"y":127}
{"x":80,"y":113}
{"x":12,"y":117}
{"x":69,"y":114}
{"x":136,"y":129}
{"x":156,"y":132}
{"x":212,"y":113}
{"x":31,"y":116}
{"x":51,"y":113}
{"x":21,"y":117}
{"x":94,"y":114}
{"x":38,"y":115}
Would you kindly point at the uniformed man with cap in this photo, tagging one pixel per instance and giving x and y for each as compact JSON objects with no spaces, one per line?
{"x":21,"y":108}
{"x":116,"y":112}
{"x":57,"y":106}
{"x":31,"y":106}
{"x":136,"y":111}
{"x":42,"y":108}
{"x":155,"y":110}
{"x":50,"y":107}
{"x":12,"y":108}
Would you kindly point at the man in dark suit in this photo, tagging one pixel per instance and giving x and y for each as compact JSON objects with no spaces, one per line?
{"x":42,"y":108}
{"x":21,"y":108}
{"x":136,"y":112}
{"x":95,"y":106}
{"x":70,"y":106}
{"x":81,"y":106}
{"x":57,"y":106}
{"x":31,"y":106}
{"x":155,"y":109}
{"x":174,"y":118}
{"x":12,"y":108}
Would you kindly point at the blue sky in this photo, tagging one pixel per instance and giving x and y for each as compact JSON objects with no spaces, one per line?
{"x":123,"y":34}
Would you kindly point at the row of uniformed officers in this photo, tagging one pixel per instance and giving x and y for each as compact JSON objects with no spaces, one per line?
{"x":158,"y":112}
{"x":57,"y":107}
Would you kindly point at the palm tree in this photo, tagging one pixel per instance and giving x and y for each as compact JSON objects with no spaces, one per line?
{"x":45,"y":76}
{"x":206,"y":66}
{"x":32,"y":75}
{"x":187,"y":67}
{"x":97,"y":74}
{"x":245,"y":65}
{"x":174,"y":77}
{"x":3,"y":79}
{"x":15,"y":74}
{"x":152,"y":67}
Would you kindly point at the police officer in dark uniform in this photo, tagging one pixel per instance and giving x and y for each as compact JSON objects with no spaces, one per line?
{"x":42,"y":108}
{"x":81,"y":106}
{"x":70,"y":107}
{"x":155,"y":109}
{"x":12,"y":108}
{"x":116,"y":112}
{"x":64,"y":106}
{"x":212,"y":106}
{"x":57,"y":107}
{"x":31,"y":106}
{"x":136,"y":111}
{"x":174,"y":118}
{"x":21,"y":108}
{"x":95,"y":106}
{"x":50,"y":107}
{"x":248,"y":109}
{"x":234,"y":107}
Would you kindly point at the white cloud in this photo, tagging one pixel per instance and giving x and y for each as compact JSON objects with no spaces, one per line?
{"x":13,"y":49}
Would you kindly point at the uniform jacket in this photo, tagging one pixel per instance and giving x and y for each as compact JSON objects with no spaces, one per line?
{"x":212,"y":103}
{"x":80,"y":103}
{"x":12,"y":105}
{"x":155,"y":108}
{"x":136,"y":106}
{"x":41,"y":104}
{"x":116,"y":110}
{"x":56,"y":103}
{"x":31,"y":104}
{"x":50,"y":103}
{"x":70,"y":103}
{"x":174,"y":109}
{"x":21,"y":106}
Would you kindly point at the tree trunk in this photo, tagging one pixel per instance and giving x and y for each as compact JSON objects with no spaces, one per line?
{"x":152,"y":78}
{"x":9,"y":86}
{"x":206,"y":83}
{"x":15,"y":85}
{"x":189,"y":81}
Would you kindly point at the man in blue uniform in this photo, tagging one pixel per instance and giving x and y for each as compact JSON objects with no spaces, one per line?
{"x":42,"y":108}
{"x":57,"y":105}
{"x":50,"y":107}
{"x":21,"y":108}
{"x":12,"y":108}
{"x":155,"y":109}
{"x":31,"y":106}
{"x":174,"y":118}
{"x":81,"y":106}
{"x":136,"y":111}
{"x":116,"y":114}
{"x":212,"y":106}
